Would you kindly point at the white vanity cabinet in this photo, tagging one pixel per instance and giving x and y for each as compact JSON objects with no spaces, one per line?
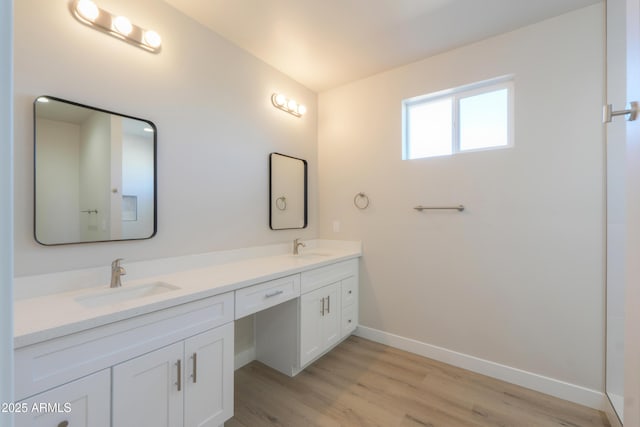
{"x":186,"y":384}
{"x":328,"y":308}
{"x":127,"y":372}
{"x":292,"y":335}
{"x":169,"y":362}
{"x":81,"y":403}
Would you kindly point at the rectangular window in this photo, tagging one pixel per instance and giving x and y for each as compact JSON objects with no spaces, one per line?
{"x":473,"y":117}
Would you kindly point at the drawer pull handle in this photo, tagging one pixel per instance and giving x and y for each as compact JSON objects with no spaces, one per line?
{"x":63,"y":424}
{"x":329,"y":304}
{"x":179,"y":383}
{"x":195,"y":368}
{"x":322,"y":311}
{"x":274,"y":293}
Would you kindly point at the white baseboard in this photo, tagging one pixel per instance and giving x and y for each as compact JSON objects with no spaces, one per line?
{"x":561,"y":389}
{"x":244,"y":357}
{"x":611,"y":412}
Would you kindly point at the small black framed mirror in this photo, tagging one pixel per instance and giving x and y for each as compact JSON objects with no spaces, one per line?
{"x":287,"y":192}
{"x":95,"y":174}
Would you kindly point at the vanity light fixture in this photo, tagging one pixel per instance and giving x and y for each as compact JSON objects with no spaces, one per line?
{"x":289,"y":105}
{"x":121,"y":27}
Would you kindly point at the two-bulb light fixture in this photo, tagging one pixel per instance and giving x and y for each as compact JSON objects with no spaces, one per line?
{"x":289,"y":105}
{"x":121,"y":27}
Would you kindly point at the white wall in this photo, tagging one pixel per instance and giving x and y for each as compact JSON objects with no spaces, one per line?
{"x":6,"y":207}
{"x":516,"y":279}
{"x":632,"y":224}
{"x":216,"y":128}
{"x":616,"y":230}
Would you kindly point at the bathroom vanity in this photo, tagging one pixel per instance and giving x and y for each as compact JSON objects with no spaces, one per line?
{"x":160,"y":350}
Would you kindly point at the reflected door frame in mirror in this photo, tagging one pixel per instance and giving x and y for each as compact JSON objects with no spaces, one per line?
{"x":287,"y":192}
{"x":95,"y":174}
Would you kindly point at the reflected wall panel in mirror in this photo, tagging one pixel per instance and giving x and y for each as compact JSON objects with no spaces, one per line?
{"x":95,"y":174}
{"x":287,"y":192}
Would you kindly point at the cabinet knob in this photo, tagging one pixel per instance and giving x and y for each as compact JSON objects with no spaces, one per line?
{"x":63,"y":424}
{"x":350,"y":292}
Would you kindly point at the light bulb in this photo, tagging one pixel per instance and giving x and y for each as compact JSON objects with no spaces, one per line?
{"x":302,"y":109}
{"x":280,"y":99}
{"x":122,"y":25}
{"x":292,"y":105}
{"x":152,"y":38}
{"x":87,"y":9}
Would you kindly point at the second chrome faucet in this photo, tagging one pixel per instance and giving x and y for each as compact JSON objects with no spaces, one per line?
{"x":117,"y":271}
{"x":296,"y":245}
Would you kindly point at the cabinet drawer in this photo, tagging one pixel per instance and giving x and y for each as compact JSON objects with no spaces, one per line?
{"x":349,"y":319}
{"x":319,"y":277}
{"x":349,"y":290}
{"x":264,"y":295}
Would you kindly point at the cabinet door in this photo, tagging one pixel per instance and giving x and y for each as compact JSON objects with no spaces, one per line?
{"x":349,"y":305}
{"x":311,"y":312}
{"x":331,"y":326}
{"x":319,"y":321}
{"x":147,"y":390}
{"x":349,"y":291}
{"x":208,"y":400}
{"x":349,"y":320}
{"x":82,"y":403}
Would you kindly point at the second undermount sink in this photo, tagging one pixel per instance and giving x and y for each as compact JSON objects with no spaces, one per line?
{"x":307,"y":255}
{"x":125,"y":293}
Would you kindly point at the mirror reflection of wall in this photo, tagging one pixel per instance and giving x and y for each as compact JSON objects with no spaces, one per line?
{"x":288,"y":192}
{"x":86,"y":159}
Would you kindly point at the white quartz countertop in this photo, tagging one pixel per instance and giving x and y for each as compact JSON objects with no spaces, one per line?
{"x":42,"y":318}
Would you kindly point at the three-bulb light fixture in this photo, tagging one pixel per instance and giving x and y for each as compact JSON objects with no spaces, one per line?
{"x":87,"y":12}
{"x":289,"y":105}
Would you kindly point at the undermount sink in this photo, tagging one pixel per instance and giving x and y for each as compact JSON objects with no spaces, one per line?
{"x":310,"y":255}
{"x":125,"y":293}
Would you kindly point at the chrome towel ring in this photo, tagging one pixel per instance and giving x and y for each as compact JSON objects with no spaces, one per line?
{"x":281,"y":203}
{"x":361,"y":201}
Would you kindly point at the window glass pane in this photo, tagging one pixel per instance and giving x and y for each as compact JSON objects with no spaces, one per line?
{"x":429,"y":129}
{"x":483,"y":120}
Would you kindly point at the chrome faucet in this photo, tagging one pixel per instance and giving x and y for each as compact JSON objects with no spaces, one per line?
{"x":116,"y":272}
{"x":296,"y":244}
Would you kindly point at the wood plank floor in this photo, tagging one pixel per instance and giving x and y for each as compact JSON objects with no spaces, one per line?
{"x":362,"y":383}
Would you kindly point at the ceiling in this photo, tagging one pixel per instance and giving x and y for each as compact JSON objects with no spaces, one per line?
{"x":326,"y":43}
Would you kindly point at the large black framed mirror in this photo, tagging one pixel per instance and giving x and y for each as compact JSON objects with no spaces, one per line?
{"x":94,"y":174}
{"x":287,"y":192}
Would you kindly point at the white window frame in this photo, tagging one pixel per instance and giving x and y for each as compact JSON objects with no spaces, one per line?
{"x":456,"y":94}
